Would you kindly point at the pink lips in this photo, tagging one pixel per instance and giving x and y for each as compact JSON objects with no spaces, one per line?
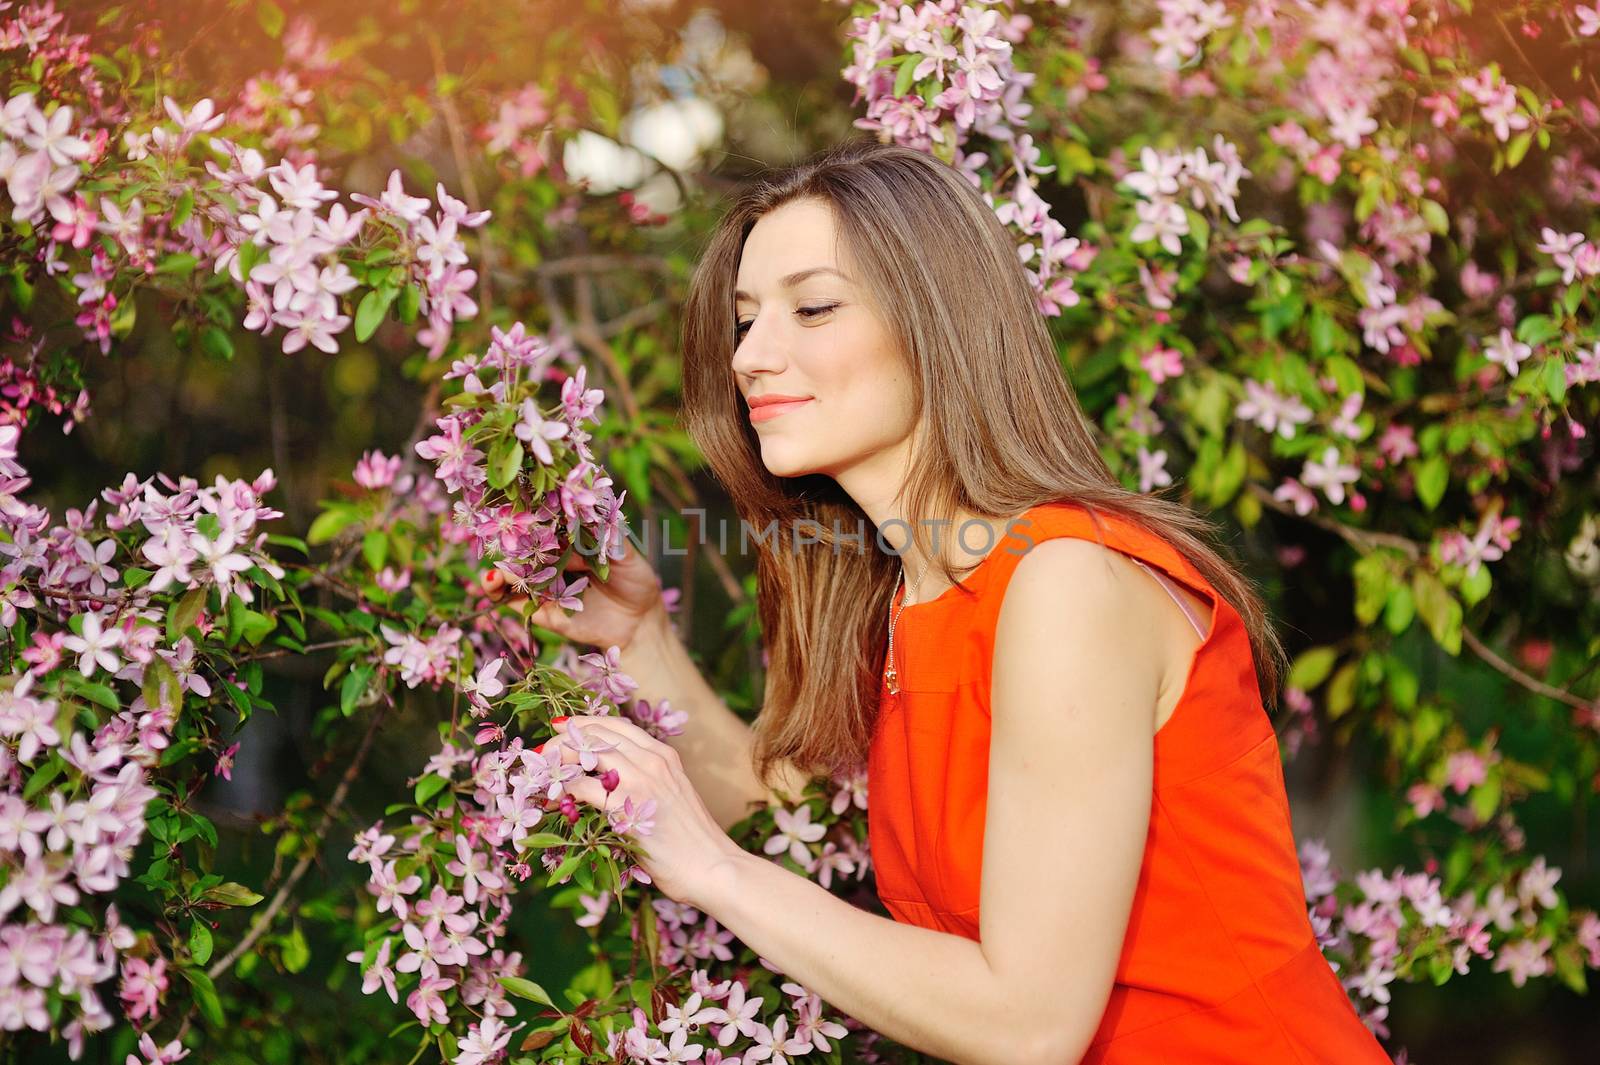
{"x":764,"y":408}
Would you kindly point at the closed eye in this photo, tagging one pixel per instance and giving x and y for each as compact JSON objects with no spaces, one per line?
{"x":807,"y":313}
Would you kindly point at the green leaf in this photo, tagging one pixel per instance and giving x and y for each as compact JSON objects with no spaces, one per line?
{"x":200,"y":942}
{"x":296,"y":951}
{"x":99,"y":694}
{"x":177,"y":263}
{"x":410,"y":301}
{"x":1440,"y":610}
{"x":1485,"y":798}
{"x":526,"y":989}
{"x":1570,"y":967}
{"x":375,"y":548}
{"x":42,"y":777}
{"x":1476,"y":586}
{"x":290,"y":541}
{"x":1432,"y":476}
{"x":270,"y":16}
{"x":1434,"y":214}
{"x":216,"y":342}
{"x":1229,"y":475}
{"x":428,"y":787}
{"x":505,"y":461}
{"x":1400,"y":610}
{"x":1535,"y":329}
{"x":250,"y":254}
{"x":332,"y":522}
{"x":205,"y":996}
{"x":1518,"y":148}
{"x":1555,"y":380}
{"x":903,"y":77}
{"x":232,"y":894}
{"x":350,"y":692}
{"x":1341,"y":693}
{"x":184,"y":613}
{"x":161,"y":687}
{"x":1371,"y":573}
{"x":371,"y":310}
{"x":1312,"y":667}
{"x":539,"y":840}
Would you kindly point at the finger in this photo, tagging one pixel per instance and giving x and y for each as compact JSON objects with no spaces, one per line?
{"x":613,"y":741}
{"x":619,"y":728}
{"x":589,"y":791}
{"x":594,"y":727}
{"x":494,"y":583}
{"x":548,"y":615}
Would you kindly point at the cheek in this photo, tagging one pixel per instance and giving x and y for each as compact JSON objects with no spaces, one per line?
{"x":864,"y":378}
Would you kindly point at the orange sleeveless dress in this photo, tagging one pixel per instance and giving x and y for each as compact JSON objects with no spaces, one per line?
{"x":1219,"y":964}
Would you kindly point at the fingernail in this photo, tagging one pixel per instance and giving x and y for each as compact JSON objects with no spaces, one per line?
{"x":539,"y":748}
{"x":558,"y":720}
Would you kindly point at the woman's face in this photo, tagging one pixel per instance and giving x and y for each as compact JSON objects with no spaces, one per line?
{"x":806,"y":330}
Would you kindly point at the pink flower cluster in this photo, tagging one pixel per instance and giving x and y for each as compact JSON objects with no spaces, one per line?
{"x":520,"y":129}
{"x":1497,"y":101}
{"x":76,"y":838}
{"x":964,"y":83}
{"x":1385,"y":319}
{"x":1164,"y":178}
{"x":448,"y":933}
{"x":1184,"y":26}
{"x":299,"y":285}
{"x":527,"y":535}
{"x":1403,"y":916}
{"x":1489,"y":544}
{"x":727,"y":1012}
{"x":40,"y":160}
{"x":21,"y":385}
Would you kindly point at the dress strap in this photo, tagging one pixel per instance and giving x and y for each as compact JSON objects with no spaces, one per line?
{"x":1166,"y":582}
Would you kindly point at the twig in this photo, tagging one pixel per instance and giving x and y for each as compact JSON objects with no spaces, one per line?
{"x":469,"y":185}
{"x":264,"y":919}
{"x":350,"y":641}
{"x":1362,"y":540}
{"x":1532,"y":683}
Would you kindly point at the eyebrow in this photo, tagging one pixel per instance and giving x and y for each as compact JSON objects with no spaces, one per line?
{"x":791,"y":280}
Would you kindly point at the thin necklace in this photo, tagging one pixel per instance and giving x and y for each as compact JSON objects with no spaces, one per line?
{"x":891,"y":676}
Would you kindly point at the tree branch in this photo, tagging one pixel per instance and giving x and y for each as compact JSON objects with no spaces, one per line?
{"x":263,"y":920}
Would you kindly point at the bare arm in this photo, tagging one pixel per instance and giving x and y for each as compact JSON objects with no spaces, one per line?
{"x":1070,"y":770}
{"x":716,"y":745}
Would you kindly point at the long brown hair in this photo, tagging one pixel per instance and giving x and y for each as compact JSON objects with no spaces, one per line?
{"x":999,"y":431}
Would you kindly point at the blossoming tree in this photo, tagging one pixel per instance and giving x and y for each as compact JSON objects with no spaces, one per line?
{"x":1328,"y":274}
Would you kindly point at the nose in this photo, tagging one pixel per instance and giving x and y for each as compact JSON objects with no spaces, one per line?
{"x":759,"y":350}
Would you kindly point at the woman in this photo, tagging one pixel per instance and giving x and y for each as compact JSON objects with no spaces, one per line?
{"x":1076,"y":803}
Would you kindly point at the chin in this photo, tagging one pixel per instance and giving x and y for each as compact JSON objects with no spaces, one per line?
{"x":780,"y":464}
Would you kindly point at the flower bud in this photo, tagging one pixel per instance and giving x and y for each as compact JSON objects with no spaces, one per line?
{"x":609,"y":780}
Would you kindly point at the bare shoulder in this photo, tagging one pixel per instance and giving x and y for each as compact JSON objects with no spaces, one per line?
{"x":1087,"y":609}
{"x":1097,"y":581}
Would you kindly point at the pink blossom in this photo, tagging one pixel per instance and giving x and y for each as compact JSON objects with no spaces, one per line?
{"x":376,"y":470}
{"x":1464,"y":770}
{"x":793,"y":831}
{"x":143,"y":984}
{"x":224,"y":766}
{"x":378,"y":974}
{"x":1524,"y":958}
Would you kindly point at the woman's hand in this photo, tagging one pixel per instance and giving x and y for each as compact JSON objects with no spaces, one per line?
{"x":652,"y":800}
{"x":613,"y":609}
